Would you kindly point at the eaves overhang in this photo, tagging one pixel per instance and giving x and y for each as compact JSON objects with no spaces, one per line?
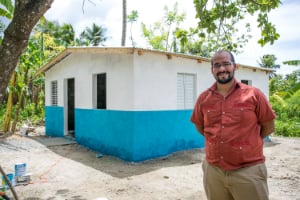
{"x":130,"y":50}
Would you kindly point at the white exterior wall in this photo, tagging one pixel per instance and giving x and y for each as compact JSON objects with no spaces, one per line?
{"x":155,"y":76}
{"x":259,"y":78}
{"x":82,"y":67}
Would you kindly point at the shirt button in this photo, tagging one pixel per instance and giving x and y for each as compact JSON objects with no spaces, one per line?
{"x":222,"y":126}
{"x":241,"y":147}
{"x":221,"y":157}
{"x":221,"y":142}
{"x":223,"y":113}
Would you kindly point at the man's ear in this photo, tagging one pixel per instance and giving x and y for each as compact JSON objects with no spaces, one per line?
{"x":235,"y":66}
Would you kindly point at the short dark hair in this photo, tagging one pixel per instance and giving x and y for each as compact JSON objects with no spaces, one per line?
{"x":221,"y":51}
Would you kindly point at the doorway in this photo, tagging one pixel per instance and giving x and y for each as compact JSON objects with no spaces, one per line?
{"x":71,"y":107}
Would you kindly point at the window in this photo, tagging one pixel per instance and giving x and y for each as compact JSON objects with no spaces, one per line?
{"x":185,"y":90}
{"x":54,"y":93}
{"x":247,"y":82}
{"x":99,"y":91}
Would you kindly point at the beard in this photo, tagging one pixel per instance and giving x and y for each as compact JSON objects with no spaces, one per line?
{"x":224,"y":77}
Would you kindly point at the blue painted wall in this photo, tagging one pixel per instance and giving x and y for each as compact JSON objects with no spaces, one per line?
{"x":136,"y":135}
{"x":129,"y":135}
{"x":54,"y":121}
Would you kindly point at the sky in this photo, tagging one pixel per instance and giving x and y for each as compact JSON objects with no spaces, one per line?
{"x":108,"y":13}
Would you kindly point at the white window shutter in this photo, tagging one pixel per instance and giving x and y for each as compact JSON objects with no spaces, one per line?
{"x":180,"y":91}
{"x":189,"y":88}
{"x":185,"y":90}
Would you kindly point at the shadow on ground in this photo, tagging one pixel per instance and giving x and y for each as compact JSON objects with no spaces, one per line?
{"x":113,"y":166}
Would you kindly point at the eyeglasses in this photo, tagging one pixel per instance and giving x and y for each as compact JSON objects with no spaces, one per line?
{"x":219,"y":65}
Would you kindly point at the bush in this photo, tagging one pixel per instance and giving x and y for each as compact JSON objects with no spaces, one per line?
{"x":2,"y":114}
{"x":30,"y":115}
{"x":287,"y":128}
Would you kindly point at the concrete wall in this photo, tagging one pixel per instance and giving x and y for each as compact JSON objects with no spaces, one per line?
{"x":136,"y":135}
{"x":82,"y":67}
{"x":259,"y":78}
{"x":155,"y":78}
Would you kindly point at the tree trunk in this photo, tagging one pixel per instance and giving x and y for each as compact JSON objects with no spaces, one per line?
{"x":26,"y":15}
{"x":124,"y":23}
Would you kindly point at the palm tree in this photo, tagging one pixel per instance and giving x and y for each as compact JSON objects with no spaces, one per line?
{"x":124,"y":23}
{"x":93,"y":36}
{"x":269,"y":61}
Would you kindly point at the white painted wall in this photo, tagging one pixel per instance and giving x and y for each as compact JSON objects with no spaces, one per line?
{"x":260,"y":79}
{"x":82,"y":67}
{"x":156,"y":80}
{"x":136,"y":82}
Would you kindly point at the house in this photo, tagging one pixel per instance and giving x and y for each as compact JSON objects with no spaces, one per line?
{"x":131,"y":103}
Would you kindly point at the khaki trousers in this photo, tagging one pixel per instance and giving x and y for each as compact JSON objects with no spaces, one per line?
{"x":249,"y":183}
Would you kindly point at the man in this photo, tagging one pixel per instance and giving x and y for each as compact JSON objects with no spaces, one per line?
{"x":234,"y":118}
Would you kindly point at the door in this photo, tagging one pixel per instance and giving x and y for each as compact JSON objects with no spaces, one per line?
{"x":101,"y":91}
{"x":71,"y":106}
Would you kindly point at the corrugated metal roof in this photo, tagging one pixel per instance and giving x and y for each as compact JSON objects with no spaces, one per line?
{"x":129,"y":50}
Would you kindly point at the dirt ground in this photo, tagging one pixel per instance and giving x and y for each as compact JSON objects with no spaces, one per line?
{"x":72,"y":172}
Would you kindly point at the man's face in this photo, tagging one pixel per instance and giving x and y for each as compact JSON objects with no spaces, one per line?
{"x":223,"y":68}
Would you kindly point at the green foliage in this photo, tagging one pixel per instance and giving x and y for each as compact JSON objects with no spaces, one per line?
{"x":63,"y":35}
{"x":33,"y":114}
{"x":131,"y":19}
{"x":93,"y":36}
{"x":155,"y":35}
{"x":292,"y":62}
{"x":162,"y":34}
{"x":222,"y":25}
{"x":285,"y":100}
{"x":219,"y":17}
{"x":268,"y":30}
{"x":2,"y":114}
{"x":133,"y":16}
{"x":198,"y":42}
{"x":268,"y":61}
{"x":168,"y":35}
{"x":28,"y":91}
{"x":6,"y":9}
{"x":30,"y":114}
{"x":287,"y":128}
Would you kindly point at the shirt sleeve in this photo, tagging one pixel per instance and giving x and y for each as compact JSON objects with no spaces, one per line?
{"x":197,"y":115}
{"x":264,"y":110}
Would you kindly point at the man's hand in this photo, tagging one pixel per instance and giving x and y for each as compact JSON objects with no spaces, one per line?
{"x":200,"y":129}
{"x":267,"y":128}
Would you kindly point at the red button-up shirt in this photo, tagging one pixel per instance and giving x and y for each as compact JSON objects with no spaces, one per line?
{"x":232,"y":125}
